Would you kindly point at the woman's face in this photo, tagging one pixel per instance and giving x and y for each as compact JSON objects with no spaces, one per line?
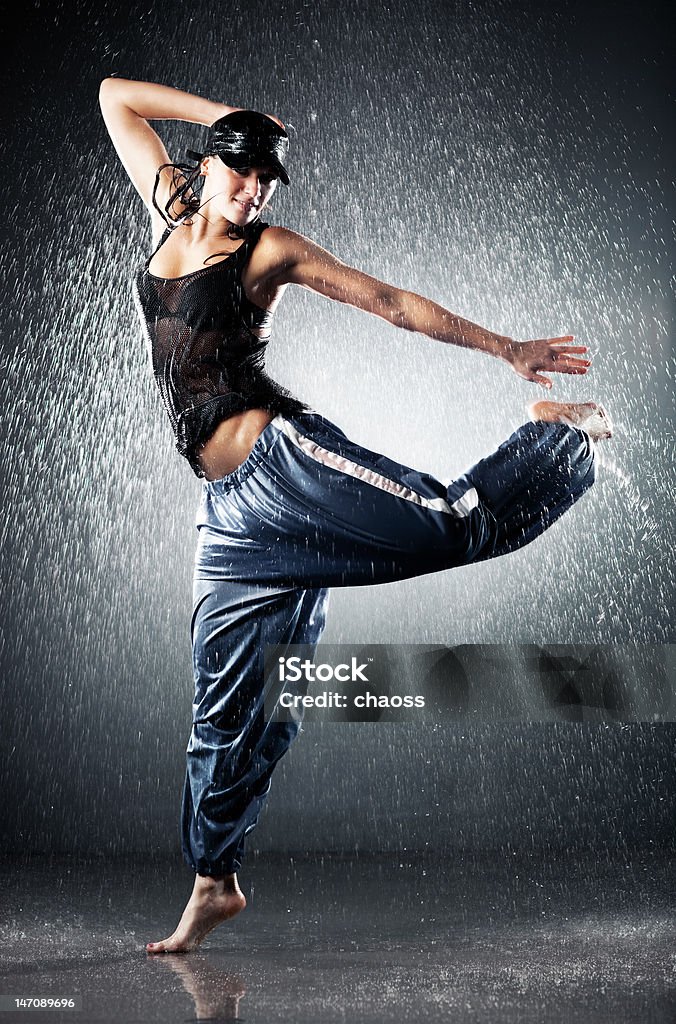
{"x":241,"y":194}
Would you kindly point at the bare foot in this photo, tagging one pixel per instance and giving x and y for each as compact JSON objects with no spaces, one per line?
{"x":589,"y":416}
{"x":213,"y":900}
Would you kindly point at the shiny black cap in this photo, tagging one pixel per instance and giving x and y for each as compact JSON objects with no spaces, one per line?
{"x":246,"y":138}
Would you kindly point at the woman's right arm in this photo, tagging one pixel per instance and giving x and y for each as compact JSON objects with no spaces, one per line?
{"x":127,"y":106}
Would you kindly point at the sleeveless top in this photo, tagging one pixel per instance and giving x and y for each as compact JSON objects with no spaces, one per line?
{"x":207,"y":361}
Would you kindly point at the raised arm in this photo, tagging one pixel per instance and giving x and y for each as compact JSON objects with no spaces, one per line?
{"x":127,"y":106}
{"x":301,"y":261}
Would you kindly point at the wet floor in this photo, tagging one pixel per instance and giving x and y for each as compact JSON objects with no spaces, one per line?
{"x":580,"y":939}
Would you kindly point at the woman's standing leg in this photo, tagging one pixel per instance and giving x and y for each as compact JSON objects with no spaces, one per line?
{"x":233,"y":750}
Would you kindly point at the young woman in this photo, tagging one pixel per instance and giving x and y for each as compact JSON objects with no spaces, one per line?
{"x":289,"y":505}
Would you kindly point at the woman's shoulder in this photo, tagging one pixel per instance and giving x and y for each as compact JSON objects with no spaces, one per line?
{"x":274,"y":234}
{"x":281,"y":242}
{"x":277,"y":250}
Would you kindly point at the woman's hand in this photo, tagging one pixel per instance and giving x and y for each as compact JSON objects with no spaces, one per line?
{"x":553,"y":355}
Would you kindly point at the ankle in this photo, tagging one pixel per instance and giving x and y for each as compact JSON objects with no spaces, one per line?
{"x":217,"y":883}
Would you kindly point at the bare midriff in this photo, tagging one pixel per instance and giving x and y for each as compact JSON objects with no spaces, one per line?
{"x":231,"y":442}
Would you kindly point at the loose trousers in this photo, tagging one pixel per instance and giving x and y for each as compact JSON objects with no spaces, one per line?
{"x":306,"y":511}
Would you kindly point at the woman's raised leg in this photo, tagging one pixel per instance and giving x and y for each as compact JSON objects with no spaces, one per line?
{"x":320,"y":510}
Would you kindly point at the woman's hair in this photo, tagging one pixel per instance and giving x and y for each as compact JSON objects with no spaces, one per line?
{"x":186,"y":187}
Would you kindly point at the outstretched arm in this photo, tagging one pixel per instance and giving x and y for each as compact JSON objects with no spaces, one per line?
{"x":307,"y":264}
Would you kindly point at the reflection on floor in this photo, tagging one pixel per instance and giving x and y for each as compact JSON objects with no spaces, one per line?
{"x":370,"y":940}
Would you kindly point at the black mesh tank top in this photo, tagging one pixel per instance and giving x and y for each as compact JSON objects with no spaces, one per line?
{"x":206,"y":359}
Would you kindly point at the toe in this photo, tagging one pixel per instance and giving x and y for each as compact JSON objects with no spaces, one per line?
{"x":156,"y":947}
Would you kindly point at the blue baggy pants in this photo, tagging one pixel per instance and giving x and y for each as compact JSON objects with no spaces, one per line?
{"x":308,"y":510}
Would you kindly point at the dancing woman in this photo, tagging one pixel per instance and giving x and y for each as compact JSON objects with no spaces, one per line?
{"x":289,"y":505}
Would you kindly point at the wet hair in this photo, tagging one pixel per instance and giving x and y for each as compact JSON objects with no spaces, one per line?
{"x":185,"y":187}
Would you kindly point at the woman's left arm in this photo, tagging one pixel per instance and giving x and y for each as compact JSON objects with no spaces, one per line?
{"x":307,"y":264}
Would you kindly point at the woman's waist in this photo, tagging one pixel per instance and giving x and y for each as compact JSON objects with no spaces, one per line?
{"x":232,"y":442}
{"x":216,"y":431}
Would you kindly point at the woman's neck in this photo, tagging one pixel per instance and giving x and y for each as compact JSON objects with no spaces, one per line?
{"x":200,"y":229}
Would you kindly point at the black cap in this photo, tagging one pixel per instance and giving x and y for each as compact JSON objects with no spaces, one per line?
{"x":246,"y":138}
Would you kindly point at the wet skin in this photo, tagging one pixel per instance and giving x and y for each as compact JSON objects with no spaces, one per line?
{"x":213,"y":901}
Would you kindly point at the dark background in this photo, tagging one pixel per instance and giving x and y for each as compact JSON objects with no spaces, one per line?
{"x":513,"y":162}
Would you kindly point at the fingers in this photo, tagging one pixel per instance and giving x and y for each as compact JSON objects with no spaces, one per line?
{"x":576,"y":353}
{"x":567,"y":366}
{"x":571,"y":369}
{"x":565,"y":358}
{"x":560,"y":346}
{"x":564,"y":353}
{"x":557,"y":349}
